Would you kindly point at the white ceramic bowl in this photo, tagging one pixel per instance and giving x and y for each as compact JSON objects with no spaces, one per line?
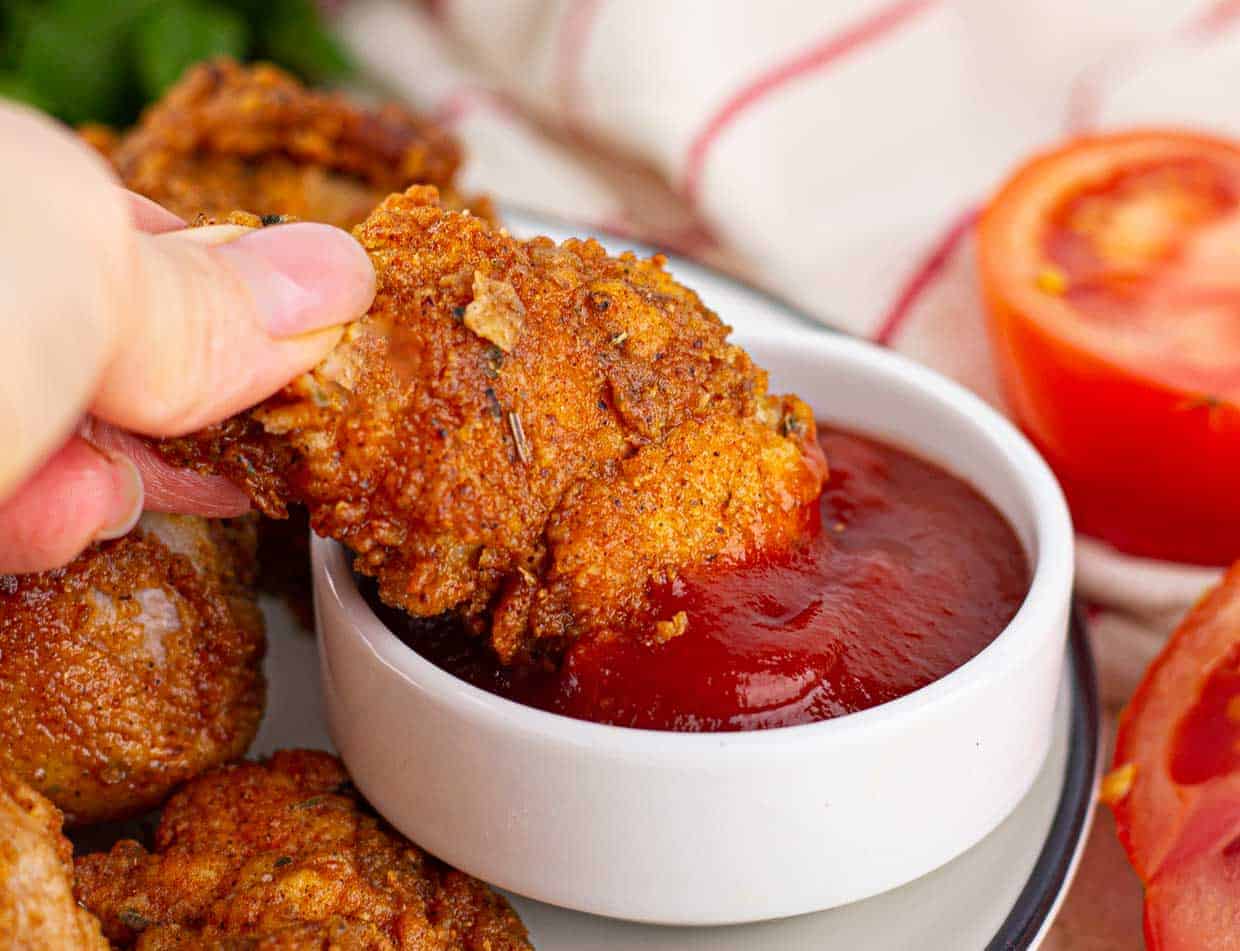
{"x":726,"y":827}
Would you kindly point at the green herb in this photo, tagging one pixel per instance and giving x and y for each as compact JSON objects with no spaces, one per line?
{"x":519,"y":438}
{"x":74,"y":57}
{"x":103,"y":60}
{"x":291,"y":33}
{"x":181,"y":33}
{"x":15,"y":86}
{"x":495,"y":362}
{"x":133,"y":920}
{"x":493,"y":403}
{"x":309,"y":803}
{"x":791,"y":425}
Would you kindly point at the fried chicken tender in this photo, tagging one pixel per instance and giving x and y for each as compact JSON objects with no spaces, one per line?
{"x":133,"y":668}
{"x":228,"y":137}
{"x":284,"y":855}
{"x":37,"y":908}
{"x":524,"y":433}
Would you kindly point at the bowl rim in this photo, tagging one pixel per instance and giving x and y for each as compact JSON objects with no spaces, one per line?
{"x":1049,"y":593}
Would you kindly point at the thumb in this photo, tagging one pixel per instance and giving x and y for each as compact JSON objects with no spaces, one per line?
{"x":216,"y":319}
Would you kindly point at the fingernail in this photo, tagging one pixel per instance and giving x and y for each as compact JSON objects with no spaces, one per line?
{"x":303,"y":276}
{"x":129,"y":495}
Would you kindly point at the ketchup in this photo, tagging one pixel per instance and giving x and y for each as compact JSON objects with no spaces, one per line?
{"x":907,"y":573}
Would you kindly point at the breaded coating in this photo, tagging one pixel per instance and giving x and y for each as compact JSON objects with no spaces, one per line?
{"x":500,"y":392}
{"x":37,"y":908}
{"x":283,"y":854}
{"x":227,"y":137}
{"x":133,"y":668}
{"x":710,"y":493}
{"x":101,"y":138}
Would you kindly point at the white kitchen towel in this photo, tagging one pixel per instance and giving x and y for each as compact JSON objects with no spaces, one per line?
{"x":833,"y":151}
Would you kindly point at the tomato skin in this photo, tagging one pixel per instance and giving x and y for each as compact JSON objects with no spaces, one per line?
{"x":1182,"y":831}
{"x":1152,"y":470}
{"x":1149,"y":466}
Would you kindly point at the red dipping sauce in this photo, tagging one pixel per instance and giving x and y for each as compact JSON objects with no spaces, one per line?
{"x":908,"y":574}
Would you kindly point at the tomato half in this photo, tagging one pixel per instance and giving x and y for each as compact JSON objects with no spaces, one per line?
{"x":1175,"y":786}
{"x":1111,"y":273}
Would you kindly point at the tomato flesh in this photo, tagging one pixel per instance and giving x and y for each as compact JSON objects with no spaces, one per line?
{"x":1111,"y":273}
{"x":1207,"y":744}
{"x":1195,"y":906}
{"x":1176,"y":787}
{"x":1138,"y":261}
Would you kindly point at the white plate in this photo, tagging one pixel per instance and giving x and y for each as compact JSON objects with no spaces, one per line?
{"x":1000,"y":894}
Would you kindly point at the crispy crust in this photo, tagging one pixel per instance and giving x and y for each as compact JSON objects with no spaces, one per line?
{"x":37,"y":910}
{"x":284,"y":854}
{"x":228,"y":137}
{"x":498,"y":388}
{"x":133,"y":668}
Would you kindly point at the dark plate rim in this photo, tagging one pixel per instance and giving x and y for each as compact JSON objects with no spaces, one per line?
{"x":1052,"y":873}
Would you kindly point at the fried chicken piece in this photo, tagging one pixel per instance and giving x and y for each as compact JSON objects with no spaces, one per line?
{"x":283,"y":854}
{"x":508,"y":416}
{"x":133,"y":668}
{"x":101,"y":138}
{"x":228,"y":137}
{"x":37,"y":909}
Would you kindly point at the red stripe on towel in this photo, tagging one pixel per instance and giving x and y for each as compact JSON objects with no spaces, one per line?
{"x":1219,"y":17}
{"x":571,"y":45}
{"x":830,"y":50}
{"x":467,"y":99}
{"x":924,"y":277}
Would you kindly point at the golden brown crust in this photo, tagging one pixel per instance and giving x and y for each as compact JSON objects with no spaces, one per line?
{"x":491,"y":383}
{"x":228,"y":136}
{"x":284,"y":855}
{"x":133,"y":668}
{"x":37,"y":909}
{"x":712,"y":493}
{"x":101,"y":138}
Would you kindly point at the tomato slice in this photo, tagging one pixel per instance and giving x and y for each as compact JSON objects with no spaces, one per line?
{"x":1175,"y":785}
{"x":1111,"y":274}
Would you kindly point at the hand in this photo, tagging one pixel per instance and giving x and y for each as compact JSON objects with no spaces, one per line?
{"x":115,"y":321}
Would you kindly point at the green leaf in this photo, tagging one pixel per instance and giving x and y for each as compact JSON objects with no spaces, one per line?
{"x":294,"y":36}
{"x":114,"y":14}
{"x":14,"y":86}
{"x":181,"y":33}
{"x":253,"y":10}
{"x":16,"y":17}
{"x":103,"y":59}
{"x":76,"y":63}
